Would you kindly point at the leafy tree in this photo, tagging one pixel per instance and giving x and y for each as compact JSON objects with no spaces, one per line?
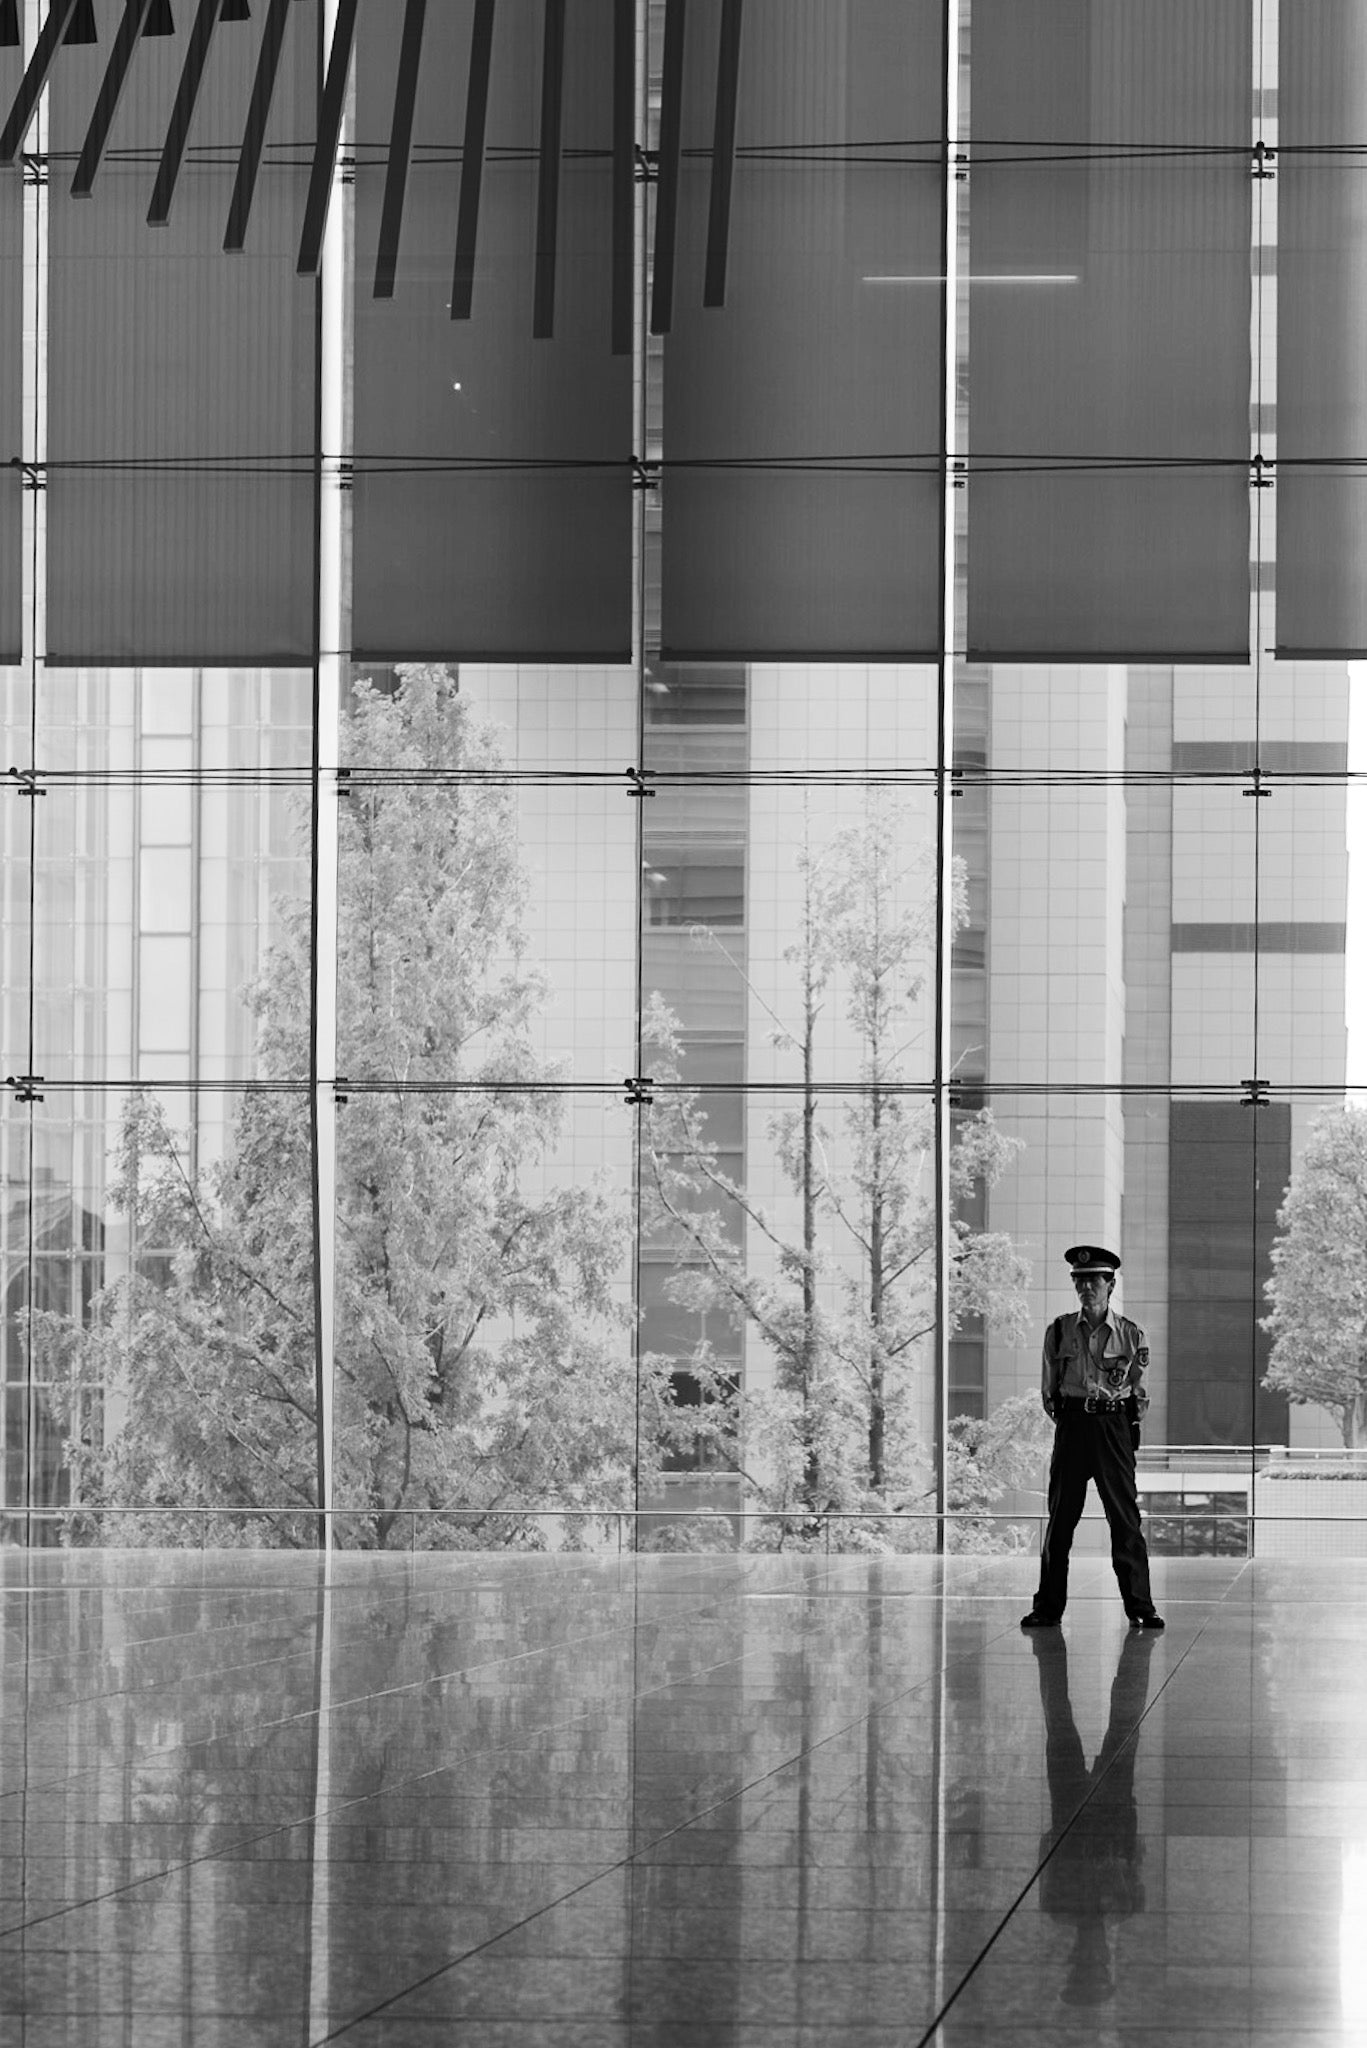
{"x":1318,"y":1288}
{"x":1004,"y":1452}
{"x":482,"y":1355}
{"x":843,"y":1302}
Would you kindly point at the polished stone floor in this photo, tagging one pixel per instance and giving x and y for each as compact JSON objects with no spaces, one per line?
{"x":501,"y":1802}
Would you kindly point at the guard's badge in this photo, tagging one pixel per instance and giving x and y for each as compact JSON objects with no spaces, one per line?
{"x":1141,"y":1358}
{"x":1115,"y":1374}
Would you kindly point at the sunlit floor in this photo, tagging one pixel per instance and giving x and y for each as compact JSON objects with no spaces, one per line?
{"x":499,"y":1801}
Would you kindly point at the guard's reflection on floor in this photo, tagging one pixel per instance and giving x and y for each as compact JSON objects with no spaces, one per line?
{"x":1091,"y":1852}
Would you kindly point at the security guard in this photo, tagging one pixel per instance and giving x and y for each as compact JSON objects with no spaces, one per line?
{"x":1093,"y":1390}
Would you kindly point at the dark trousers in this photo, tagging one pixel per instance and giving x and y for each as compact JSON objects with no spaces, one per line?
{"x":1095,"y":1447}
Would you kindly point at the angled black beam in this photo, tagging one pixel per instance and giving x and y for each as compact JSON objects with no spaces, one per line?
{"x":723,"y":156}
{"x":667,"y":184}
{"x":330,"y":112}
{"x":34,"y":79}
{"x":258,"y":114}
{"x":106,"y":106}
{"x":548,"y":172}
{"x":161,"y":21}
{"x":472,"y":159}
{"x":182,"y":113}
{"x":400,"y":148}
{"x":82,"y":28}
{"x":623,"y":172}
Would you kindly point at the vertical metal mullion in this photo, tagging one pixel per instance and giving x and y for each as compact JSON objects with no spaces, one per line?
{"x":196,"y":855}
{"x":330,"y":448}
{"x":34,"y":648}
{"x":640,"y":373}
{"x":1266,"y":70}
{"x":944,"y":750}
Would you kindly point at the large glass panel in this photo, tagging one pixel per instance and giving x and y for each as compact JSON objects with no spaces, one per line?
{"x":788,"y":1291}
{"x":182,"y":382}
{"x":1321,"y":384}
{"x":1241,"y":1261}
{"x":824,"y":719}
{"x":173,"y":869}
{"x":554,"y":722}
{"x":801,"y":314}
{"x":488,"y":899}
{"x":166,"y":1390}
{"x":486,"y":1385}
{"x":800,"y":918}
{"x":1303,"y":934}
{"x":493,"y":414}
{"x":1117,"y":937}
{"x":1108,"y":330}
{"x":19,"y":814}
{"x":1185,"y":1188}
{"x":1309,"y":1492}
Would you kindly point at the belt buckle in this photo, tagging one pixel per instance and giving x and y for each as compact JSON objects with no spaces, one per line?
{"x":1093,"y":1404}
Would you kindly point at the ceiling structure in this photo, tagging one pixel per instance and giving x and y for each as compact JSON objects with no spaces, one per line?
{"x":777,"y":237}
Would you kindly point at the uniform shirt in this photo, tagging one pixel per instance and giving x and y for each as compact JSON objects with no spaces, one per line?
{"x":1109,"y":1361}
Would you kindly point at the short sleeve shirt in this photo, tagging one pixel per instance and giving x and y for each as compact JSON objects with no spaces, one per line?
{"x":1109,"y":1361}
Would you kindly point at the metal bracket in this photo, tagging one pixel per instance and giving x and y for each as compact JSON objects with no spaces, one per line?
{"x":25,"y":1086}
{"x":35,"y":170}
{"x":25,"y":782}
{"x":343,"y":783}
{"x":645,"y":165}
{"x":645,"y":475}
{"x":32,"y":475}
{"x":1257,"y":787}
{"x":1262,"y":472}
{"x":339,"y":1096}
{"x":638,"y":1087}
{"x":1264,"y":163}
{"x":1255,"y":1093}
{"x":636,"y":778}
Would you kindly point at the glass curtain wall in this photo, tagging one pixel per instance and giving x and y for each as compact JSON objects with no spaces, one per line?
{"x":848,"y":686}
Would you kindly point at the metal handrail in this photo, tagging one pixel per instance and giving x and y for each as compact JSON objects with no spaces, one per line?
{"x":623,"y":1518}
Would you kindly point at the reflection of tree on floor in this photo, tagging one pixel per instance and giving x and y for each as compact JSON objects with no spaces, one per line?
{"x":67,"y":1267}
{"x":1091,"y":1852}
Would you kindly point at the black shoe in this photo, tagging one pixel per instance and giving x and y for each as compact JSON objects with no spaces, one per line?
{"x":1149,"y":1621}
{"x":1034,"y":1620}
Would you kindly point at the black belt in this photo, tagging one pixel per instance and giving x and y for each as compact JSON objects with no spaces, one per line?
{"x":1091,"y":1404}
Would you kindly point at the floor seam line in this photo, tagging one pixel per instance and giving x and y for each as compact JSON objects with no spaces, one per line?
{"x":626,"y":1862}
{"x":928,"y":2036}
